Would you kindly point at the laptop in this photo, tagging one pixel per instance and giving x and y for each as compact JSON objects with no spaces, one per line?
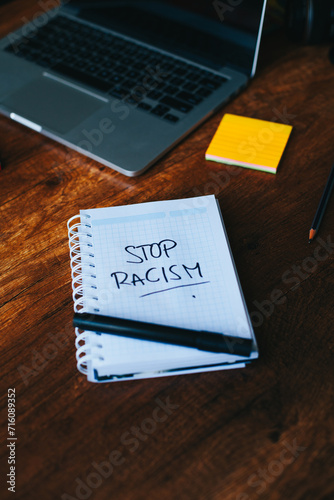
{"x":123,"y":82}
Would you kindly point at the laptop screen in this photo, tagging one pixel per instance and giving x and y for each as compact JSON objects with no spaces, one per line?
{"x":212,"y":33}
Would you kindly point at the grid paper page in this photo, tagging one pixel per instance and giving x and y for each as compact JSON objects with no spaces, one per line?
{"x":167,"y":263}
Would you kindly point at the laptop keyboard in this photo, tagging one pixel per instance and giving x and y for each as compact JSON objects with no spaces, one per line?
{"x":144,"y":78}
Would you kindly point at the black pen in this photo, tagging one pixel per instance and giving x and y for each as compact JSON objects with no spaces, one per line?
{"x":205,"y":341}
{"x":322,"y":206}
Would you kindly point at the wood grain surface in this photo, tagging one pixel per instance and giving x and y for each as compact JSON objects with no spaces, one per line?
{"x":264,"y":432}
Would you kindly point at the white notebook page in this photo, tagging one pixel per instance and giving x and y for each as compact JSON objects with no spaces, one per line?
{"x":167,"y":263}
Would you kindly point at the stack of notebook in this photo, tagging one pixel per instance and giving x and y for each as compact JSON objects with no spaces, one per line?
{"x":165,"y":263}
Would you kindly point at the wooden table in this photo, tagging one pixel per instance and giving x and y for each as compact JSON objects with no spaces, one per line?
{"x":261,"y":432}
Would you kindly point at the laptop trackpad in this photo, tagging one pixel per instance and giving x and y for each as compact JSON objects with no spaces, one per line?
{"x":53,"y":105}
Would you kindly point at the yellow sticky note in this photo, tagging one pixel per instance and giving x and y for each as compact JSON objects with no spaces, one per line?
{"x":249,"y":142}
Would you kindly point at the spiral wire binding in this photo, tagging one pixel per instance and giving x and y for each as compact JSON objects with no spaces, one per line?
{"x":82,"y":258}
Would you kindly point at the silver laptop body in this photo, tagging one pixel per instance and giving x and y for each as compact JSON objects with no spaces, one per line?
{"x":174,"y":88}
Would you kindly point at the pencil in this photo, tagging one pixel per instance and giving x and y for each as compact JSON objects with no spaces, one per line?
{"x":322,"y":206}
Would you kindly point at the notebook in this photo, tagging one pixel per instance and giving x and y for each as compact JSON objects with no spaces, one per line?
{"x":165,"y":262}
{"x":249,"y":142}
